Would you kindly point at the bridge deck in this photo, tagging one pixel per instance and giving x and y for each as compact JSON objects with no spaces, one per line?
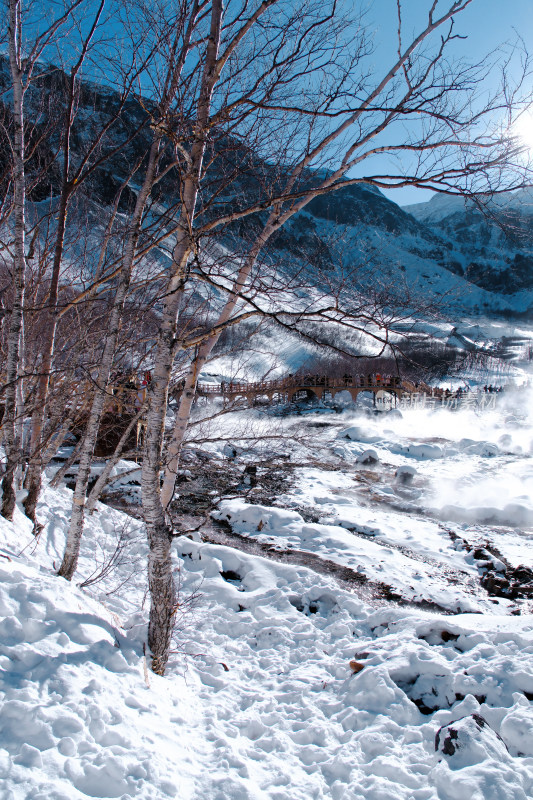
{"x":125,"y":401}
{"x":311,"y":384}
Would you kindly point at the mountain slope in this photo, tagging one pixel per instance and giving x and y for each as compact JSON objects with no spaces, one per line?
{"x":449,"y":254}
{"x":493,"y":240}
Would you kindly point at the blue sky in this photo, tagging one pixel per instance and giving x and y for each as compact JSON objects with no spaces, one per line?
{"x":486,"y":24}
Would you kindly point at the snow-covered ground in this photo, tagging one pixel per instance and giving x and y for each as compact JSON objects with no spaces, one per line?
{"x":285,"y":684}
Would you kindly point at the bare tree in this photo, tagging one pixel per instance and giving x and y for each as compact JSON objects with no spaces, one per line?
{"x":71,"y":180}
{"x":251,"y":54}
{"x":180,"y":50}
{"x":19,"y":265}
{"x":456,"y":147}
{"x":23,"y":58}
{"x":256,"y":109}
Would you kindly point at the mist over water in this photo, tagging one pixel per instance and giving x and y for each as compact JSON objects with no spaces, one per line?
{"x":478,"y":466}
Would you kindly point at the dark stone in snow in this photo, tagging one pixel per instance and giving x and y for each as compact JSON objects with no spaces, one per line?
{"x":250,"y":475}
{"x":368,"y":458}
{"x":404,"y":475}
{"x":231,"y":576}
{"x":470,"y":740}
{"x":448,"y":636}
{"x":496,"y":585}
{"x":523,"y":574}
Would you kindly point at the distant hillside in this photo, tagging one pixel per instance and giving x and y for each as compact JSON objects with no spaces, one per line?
{"x":493,"y":239}
{"x":446,"y":251}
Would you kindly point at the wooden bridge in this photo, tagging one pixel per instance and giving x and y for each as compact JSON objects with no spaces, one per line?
{"x":300,"y":386}
{"x":384,"y":388}
{"x":125,"y":401}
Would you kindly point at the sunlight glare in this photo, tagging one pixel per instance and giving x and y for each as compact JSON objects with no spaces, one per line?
{"x":523,"y":128}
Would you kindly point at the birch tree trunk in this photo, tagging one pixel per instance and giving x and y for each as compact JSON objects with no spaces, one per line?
{"x":160,"y":579}
{"x":9,"y":422}
{"x":72,"y":550}
{"x":187,"y":398}
{"x":35,"y":466}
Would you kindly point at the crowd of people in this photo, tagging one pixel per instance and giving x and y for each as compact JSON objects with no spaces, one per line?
{"x":357,"y":381}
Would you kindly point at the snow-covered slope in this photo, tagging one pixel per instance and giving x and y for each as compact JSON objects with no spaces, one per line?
{"x":443,"y":252}
{"x":441,"y":206}
{"x":266,"y":705}
{"x":286,"y":682}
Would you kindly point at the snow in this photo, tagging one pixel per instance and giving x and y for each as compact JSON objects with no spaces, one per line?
{"x":441,"y":206}
{"x":260,"y":701}
{"x":437,"y":208}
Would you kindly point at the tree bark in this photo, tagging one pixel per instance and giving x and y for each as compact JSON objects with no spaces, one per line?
{"x":72,"y":550}
{"x":187,"y":398}
{"x":9,"y":422}
{"x":160,"y":579}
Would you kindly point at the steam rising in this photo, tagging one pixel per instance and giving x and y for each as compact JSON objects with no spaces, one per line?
{"x":479,"y":467}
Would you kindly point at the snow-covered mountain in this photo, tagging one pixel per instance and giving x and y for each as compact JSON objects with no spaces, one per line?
{"x":442,"y":206}
{"x":464,"y":257}
{"x":491,"y":240}
{"x":469,"y":259}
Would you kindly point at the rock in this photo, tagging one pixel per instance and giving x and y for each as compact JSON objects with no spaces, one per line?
{"x":422,"y":451}
{"x":250,"y":475}
{"x":484,"y":449}
{"x":368,"y":458}
{"x":448,"y":636}
{"x":496,"y":584}
{"x":405,"y":475}
{"x":517,"y":728}
{"x":487,"y":561}
{"x":489,"y":450}
{"x":521,"y":581}
{"x":470,"y":740}
{"x":513,"y":422}
{"x":358,"y":433}
{"x":523,"y":574}
{"x":356,"y":666}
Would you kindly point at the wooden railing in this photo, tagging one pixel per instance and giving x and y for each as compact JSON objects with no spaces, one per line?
{"x":372,"y":382}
